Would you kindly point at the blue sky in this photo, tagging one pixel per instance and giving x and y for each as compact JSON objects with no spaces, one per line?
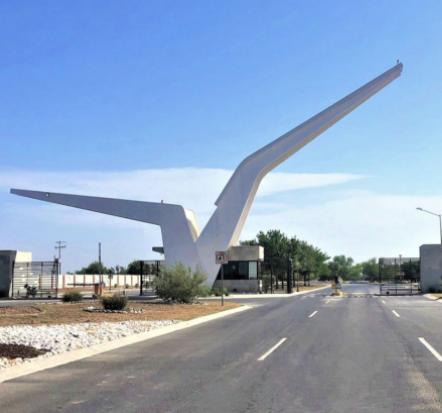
{"x":141,"y":99}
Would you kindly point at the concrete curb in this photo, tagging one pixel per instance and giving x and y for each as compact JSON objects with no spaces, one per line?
{"x":432,"y":297}
{"x":239,"y":296}
{"x":64,"y":358}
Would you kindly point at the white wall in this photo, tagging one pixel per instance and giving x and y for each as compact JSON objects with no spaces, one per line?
{"x":121,"y":280}
{"x":431,"y":267}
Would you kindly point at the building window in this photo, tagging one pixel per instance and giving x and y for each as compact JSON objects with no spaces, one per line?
{"x":236,"y":270}
{"x":253,"y":270}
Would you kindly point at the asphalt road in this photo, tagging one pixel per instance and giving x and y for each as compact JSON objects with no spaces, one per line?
{"x":310,"y":353}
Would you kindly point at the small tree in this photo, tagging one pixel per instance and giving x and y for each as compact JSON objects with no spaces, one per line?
{"x":179,"y":284}
{"x":94,"y":268}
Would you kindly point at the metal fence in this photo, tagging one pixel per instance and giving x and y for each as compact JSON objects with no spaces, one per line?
{"x":399,"y":288}
{"x":35,"y":279}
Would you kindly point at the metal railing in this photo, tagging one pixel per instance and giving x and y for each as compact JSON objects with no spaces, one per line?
{"x":399,"y":288}
{"x":35,"y":279}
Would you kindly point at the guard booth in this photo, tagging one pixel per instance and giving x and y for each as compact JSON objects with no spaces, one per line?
{"x":242,"y":271}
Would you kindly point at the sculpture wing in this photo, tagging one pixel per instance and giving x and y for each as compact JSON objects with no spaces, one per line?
{"x":258,"y":164}
{"x":235,"y":201}
{"x":178,"y":226}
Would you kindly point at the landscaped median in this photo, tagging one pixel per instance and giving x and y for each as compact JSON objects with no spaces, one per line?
{"x":31,"y":333}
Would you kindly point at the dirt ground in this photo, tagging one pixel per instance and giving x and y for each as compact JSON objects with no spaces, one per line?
{"x":65,"y":313}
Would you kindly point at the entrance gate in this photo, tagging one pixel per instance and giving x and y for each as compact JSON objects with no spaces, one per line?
{"x":35,"y":278}
{"x":399,"y":289}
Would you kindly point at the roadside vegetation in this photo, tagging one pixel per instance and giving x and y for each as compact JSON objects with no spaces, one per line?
{"x":72,"y":297}
{"x":311,"y":263}
{"x":115,"y":302}
{"x":180,"y":284}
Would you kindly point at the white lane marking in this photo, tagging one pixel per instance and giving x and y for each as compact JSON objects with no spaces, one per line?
{"x":383,"y":302}
{"x":430,"y":348}
{"x":327,"y":301}
{"x":312,"y":314}
{"x":270,"y":351}
{"x":395,"y":313}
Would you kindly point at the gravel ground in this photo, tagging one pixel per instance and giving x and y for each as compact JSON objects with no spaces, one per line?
{"x":66,"y":337}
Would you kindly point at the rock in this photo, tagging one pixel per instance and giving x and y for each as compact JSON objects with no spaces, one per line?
{"x":65,"y":337}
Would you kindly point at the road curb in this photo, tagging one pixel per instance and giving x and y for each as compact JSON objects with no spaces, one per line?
{"x":432,"y":297}
{"x":242,"y":296}
{"x":65,"y":358}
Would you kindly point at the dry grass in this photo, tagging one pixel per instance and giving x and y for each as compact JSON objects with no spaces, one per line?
{"x":65,"y":313}
{"x":312,"y":287}
{"x":437,"y":296}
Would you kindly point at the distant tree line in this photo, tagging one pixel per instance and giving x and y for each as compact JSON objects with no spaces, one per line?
{"x":133,"y":267}
{"x":310,"y":262}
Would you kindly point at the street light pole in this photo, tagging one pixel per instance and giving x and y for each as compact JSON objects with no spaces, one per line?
{"x":437,"y":215}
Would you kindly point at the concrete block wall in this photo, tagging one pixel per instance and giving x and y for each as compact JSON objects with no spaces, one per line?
{"x":121,"y":280}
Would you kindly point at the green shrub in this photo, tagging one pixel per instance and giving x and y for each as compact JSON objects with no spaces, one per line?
{"x":72,"y":297}
{"x":116,"y":302}
{"x":266,"y":282}
{"x":216,"y":291}
{"x":179,"y":284}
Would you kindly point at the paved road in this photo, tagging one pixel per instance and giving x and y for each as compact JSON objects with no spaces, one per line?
{"x":339,"y":355}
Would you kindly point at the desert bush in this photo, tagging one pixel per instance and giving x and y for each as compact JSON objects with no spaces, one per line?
{"x":216,"y":291}
{"x":180,"y":284}
{"x":72,"y":297}
{"x":115,"y":302}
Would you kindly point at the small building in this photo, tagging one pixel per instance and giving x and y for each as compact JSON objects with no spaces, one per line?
{"x":242,"y":272}
{"x":8,"y":258}
{"x":431,"y":267}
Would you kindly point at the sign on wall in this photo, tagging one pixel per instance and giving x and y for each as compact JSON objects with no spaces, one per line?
{"x":221,"y":257}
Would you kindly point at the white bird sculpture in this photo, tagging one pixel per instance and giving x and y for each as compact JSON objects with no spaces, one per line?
{"x":182,"y":240}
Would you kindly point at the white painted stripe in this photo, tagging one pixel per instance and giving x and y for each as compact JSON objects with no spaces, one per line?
{"x":327,"y":301}
{"x":383,"y":302}
{"x":312,"y":314}
{"x":395,"y":313}
{"x":430,"y":348}
{"x":267,"y":353}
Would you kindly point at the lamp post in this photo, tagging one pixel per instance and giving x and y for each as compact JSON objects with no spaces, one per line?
{"x":437,"y":215}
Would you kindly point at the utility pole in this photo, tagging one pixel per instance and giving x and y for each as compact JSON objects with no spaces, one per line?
{"x":59,"y":245}
{"x":99,"y":262}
